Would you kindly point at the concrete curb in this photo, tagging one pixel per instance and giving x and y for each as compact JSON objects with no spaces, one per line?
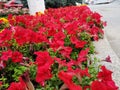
{"x":104,"y":49}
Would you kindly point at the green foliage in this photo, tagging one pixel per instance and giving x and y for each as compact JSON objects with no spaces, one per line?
{"x":11,"y":73}
{"x":32,"y":71}
{"x":67,"y":41}
{"x":94,"y":68}
{"x":74,"y":54}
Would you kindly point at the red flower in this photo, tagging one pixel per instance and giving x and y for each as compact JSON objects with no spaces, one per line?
{"x":17,"y":85}
{"x":44,"y":62}
{"x":53,"y":28}
{"x":108,"y":59}
{"x":72,"y":27}
{"x":43,"y":73}
{"x":96,"y":85}
{"x":59,"y":36}
{"x":20,"y":35}
{"x":96,"y":16}
{"x":105,"y":85}
{"x":6,"y":55}
{"x":82,"y":55}
{"x":78,"y":43}
{"x":17,"y":57}
{"x":39,"y":37}
{"x":43,"y":58}
{"x":105,"y":75}
{"x":57,"y":41}
{"x":111,"y":85}
{"x":11,"y":19}
{"x":83,"y":72}
{"x":94,"y":30}
{"x":5,"y":36}
{"x":61,"y":62}
{"x":66,"y":77}
{"x":66,"y":51}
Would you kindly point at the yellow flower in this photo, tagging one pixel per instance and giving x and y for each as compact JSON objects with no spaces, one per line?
{"x":83,"y":4}
{"x":4,"y":20}
{"x":39,"y":13}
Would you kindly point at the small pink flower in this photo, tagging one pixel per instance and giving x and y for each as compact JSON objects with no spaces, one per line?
{"x":108,"y":59}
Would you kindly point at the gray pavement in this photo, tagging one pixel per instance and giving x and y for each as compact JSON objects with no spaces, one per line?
{"x":110,"y":45}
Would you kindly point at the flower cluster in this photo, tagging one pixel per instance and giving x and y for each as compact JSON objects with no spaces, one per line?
{"x":56,"y":48}
{"x":3,"y":23}
{"x":15,"y":11}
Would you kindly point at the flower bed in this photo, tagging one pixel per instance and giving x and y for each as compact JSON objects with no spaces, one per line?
{"x":53,"y":51}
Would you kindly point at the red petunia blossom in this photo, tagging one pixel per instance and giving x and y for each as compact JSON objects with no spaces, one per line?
{"x":20,"y":35}
{"x":66,"y":51}
{"x":82,"y":56}
{"x":39,"y":37}
{"x":83,"y":72}
{"x":6,"y":55}
{"x":53,"y":27}
{"x":5,"y":36}
{"x":110,"y":85}
{"x":103,"y":85}
{"x":56,"y":44}
{"x":17,"y":56}
{"x":43,"y":58}
{"x":96,"y":16}
{"x":105,"y":74}
{"x":94,"y":32}
{"x":95,"y":37}
{"x":57,"y":41}
{"x":29,"y":36}
{"x":43,"y":73}
{"x":66,"y":77}
{"x":17,"y":85}
{"x":11,"y":19}
{"x":44,"y":62}
{"x":78,"y":43}
{"x":61,"y":62}
{"x":72,"y":27}
{"x":96,"y":85}
{"x":59,"y":36}
{"x":108,"y":59}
